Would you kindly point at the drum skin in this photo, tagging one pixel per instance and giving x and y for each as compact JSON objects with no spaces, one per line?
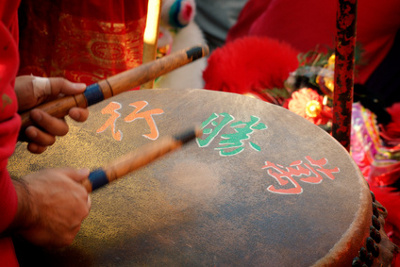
{"x":261,"y":187}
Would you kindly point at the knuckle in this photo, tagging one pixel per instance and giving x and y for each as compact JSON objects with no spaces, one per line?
{"x":64,"y":82}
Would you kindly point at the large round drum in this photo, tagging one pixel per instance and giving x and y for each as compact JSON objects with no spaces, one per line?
{"x":261,"y":187}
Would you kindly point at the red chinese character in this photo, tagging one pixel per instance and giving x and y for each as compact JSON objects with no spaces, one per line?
{"x":285,"y":175}
{"x":147,"y":115}
{"x":111,"y":109}
{"x":322,"y":162}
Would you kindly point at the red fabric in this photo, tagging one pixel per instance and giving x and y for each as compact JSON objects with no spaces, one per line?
{"x":391,"y":201}
{"x":83,"y":41}
{"x":306,"y":24}
{"x":9,"y":122}
{"x":7,"y":254}
{"x":391,"y":132}
{"x":8,"y":208}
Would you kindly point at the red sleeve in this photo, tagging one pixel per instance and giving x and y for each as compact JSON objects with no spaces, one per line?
{"x":8,"y":208}
{"x":293,"y":22}
{"x":9,"y":119}
{"x":250,"y":12}
{"x":9,"y":123}
{"x":311,"y":24}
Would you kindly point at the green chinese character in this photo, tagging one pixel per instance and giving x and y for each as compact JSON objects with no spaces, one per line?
{"x":235,"y":141}
{"x":213,"y":132}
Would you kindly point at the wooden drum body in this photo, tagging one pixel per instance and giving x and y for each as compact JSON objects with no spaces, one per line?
{"x":261,"y":187}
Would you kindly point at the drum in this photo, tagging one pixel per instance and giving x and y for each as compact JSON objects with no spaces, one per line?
{"x":261,"y":187}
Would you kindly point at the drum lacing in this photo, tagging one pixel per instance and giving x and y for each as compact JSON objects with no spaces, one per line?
{"x":366,"y":255}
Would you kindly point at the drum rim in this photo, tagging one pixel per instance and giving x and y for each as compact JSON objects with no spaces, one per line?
{"x":348,"y":246}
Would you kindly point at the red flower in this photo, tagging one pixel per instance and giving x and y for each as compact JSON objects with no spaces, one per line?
{"x":309,"y":104}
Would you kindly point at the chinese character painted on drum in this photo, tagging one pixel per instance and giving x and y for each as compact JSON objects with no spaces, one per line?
{"x":285,"y":176}
{"x":232,"y":143}
{"x":112,"y":108}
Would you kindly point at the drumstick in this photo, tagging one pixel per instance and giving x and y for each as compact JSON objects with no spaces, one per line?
{"x":137,"y":159}
{"x":119,"y":83}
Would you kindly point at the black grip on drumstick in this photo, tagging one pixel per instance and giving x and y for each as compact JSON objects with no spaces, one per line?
{"x":97,"y":178}
{"x":138,"y":158}
{"x":118,"y":83}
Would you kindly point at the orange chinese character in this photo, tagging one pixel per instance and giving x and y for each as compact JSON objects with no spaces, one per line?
{"x":147,"y":115}
{"x":111,"y":109}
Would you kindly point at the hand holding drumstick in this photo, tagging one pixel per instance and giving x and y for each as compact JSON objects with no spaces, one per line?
{"x":32,"y":91}
{"x":107,"y":88}
{"x":42,"y":225}
{"x":75,"y":104}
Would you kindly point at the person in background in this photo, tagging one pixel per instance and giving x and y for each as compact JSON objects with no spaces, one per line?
{"x":47,"y":207}
{"x":311,"y":25}
{"x":216,"y":17}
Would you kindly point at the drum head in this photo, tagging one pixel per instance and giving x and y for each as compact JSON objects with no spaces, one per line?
{"x":262,"y":186}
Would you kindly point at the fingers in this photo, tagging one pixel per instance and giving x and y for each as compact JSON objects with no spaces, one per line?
{"x":63,"y":86}
{"x":61,"y":203}
{"x":52,"y":125}
{"x":77,"y":175}
{"x":44,"y":135}
{"x":82,"y":209}
{"x":89,"y":203}
{"x":38,"y":140}
{"x":79,"y":114}
{"x":47,"y":127}
{"x":36,"y":149}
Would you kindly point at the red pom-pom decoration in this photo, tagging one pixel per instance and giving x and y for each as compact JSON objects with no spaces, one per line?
{"x":250,"y":65}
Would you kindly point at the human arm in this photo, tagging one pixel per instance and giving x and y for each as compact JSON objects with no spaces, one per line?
{"x":32,"y":91}
{"x":51,"y":206}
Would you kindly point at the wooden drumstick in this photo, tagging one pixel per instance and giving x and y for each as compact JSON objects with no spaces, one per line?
{"x":137,"y":159}
{"x":119,"y":83}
